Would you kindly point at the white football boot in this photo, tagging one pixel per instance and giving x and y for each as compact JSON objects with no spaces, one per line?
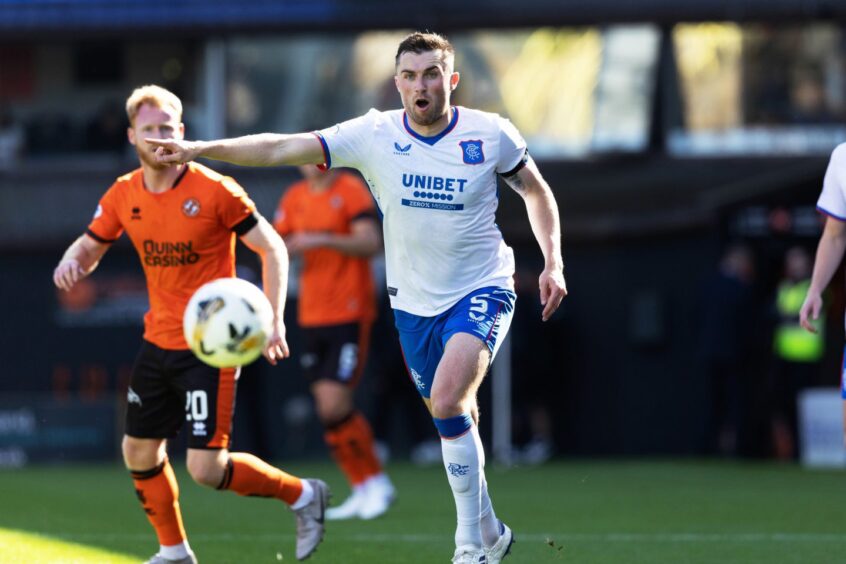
{"x":502,"y":546}
{"x":469,"y":554}
{"x":350,"y":508}
{"x":379,"y":495}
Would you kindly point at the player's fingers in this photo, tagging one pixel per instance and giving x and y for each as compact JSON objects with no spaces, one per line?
{"x":66,"y":278}
{"x":544,"y":290}
{"x":270,"y":355}
{"x":804,"y":321}
{"x":283,"y":348}
{"x":553,"y":303}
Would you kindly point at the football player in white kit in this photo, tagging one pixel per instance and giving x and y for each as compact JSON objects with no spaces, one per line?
{"x":432,"y":169}
{"x":832,"y":203}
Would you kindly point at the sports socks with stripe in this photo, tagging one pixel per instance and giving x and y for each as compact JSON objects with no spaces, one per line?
{"x":463,"y":459}
{"x":249,"y":475}
{"x":351,"y":444}
{"x":158,"y":493}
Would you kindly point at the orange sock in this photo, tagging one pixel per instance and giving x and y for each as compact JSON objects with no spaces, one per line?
{"x":351,"y":443}
{"x":250,"y":475}
{"x":159,"y":495}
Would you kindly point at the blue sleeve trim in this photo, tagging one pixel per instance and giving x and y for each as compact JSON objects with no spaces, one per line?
{"x":824,"y":211}
{"x":327,"y":158}
{"x":453,"y":427}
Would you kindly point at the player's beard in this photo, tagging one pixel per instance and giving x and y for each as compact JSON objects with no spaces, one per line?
{"x":429,"y":116}
{"x":148,"y":158}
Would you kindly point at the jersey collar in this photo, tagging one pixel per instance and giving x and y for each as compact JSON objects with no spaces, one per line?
{"x":434,"y":138}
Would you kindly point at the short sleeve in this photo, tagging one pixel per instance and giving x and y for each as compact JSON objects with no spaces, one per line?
{"x":106,"y":226}
{"x":357,"y":199}
{"x":347,"y":143}
{"x":832,"y":200}
{"x":512,"y":147}
{"x":234,"y":205}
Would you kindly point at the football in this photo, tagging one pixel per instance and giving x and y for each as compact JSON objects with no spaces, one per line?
{"x":227,"y":322}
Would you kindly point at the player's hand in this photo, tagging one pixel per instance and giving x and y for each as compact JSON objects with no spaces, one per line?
{"x":67,"y":273}
{"x":553,"y":288}
{"x":811,"y":309}
{"x":277,"y":347}
{"x":174,"y":151}
{"x":299,"y":242}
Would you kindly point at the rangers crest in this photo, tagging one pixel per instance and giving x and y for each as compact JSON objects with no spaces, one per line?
{"x":472,"y":152}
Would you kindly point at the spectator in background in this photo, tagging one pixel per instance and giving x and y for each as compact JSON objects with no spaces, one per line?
{"x":727,"y":322}
{"x":808,"y":102}
{"x":12,"y":138}
{"x":797,"y":353}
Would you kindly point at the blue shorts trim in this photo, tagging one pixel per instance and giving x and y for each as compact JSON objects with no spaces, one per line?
{"x":843,"y":375}
{"x":484,"y":313}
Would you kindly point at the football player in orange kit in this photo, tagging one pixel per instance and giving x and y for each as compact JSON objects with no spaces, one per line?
{"x":183,"y":222}
{"x":330,"y":219}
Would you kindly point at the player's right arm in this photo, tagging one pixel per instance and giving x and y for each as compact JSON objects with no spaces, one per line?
{"x":79,"y":260}
{"x":263,"y":149}
{"x":829,"y":254}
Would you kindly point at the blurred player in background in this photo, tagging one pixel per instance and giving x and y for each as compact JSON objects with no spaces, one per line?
{"x":183,"y":222}
{"x":433,"y":169}
{"x":330,"y":219}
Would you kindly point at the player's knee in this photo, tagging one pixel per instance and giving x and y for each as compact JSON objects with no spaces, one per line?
{"x":331,"y":410}
{"x":204,"y":472}
{"x":445,"y":405}
{"x":140,"y":455}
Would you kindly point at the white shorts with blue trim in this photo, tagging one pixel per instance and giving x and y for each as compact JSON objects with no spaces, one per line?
{"x":484,"y":313}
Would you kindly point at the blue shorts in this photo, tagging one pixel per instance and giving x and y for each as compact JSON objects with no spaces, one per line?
{"x":484,"y":313}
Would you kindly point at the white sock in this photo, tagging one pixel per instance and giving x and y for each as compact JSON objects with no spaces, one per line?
{"x":488,"y":524}
{"x":175,"y":551}
{"x":462,"y":460}
{"x":305,"y":497}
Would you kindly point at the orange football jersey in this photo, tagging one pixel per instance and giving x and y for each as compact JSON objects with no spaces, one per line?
{"x":334,"y":287}
{"x":184,"y":238}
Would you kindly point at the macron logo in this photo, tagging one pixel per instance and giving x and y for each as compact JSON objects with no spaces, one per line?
{"x":400,"y":150}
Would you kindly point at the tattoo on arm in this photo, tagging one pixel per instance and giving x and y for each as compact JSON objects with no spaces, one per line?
{"x":516,"y":183}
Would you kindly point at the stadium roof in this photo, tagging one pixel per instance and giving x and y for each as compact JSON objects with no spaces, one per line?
{"x":28,"y":17}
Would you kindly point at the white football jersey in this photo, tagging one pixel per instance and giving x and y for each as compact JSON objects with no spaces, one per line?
{"x":833,"y":197}
{"x":438,"y":198}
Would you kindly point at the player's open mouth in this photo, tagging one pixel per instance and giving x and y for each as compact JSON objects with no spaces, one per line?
{"x":422,"y":104}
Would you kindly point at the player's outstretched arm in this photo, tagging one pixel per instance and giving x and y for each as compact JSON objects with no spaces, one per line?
{"x":79,"y":260}
{"x":546,"y":225}
{"x":263,"y":149}
{"x":829,"y":254}
{"x":264,"y":240}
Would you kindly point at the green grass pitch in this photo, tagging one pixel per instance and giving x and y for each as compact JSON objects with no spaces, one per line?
{"x":621,"y":512}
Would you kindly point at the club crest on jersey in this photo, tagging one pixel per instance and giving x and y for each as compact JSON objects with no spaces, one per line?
{"x":472,"y":152}
{"x":191,"y":207}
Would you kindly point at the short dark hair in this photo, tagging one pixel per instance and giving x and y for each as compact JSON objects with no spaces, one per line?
{"x":420,"y":42}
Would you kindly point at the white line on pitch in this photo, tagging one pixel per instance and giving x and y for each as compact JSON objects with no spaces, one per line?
{"x":531,"y":537}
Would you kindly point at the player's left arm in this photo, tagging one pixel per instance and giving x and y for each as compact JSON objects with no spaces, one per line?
{"x":363,"y":240}
{"x":546,"y":225}
{"x":265,"y":242}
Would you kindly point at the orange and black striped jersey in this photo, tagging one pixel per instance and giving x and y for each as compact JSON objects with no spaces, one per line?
{"x":185,"y":237}
{"x":335,"y":288}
